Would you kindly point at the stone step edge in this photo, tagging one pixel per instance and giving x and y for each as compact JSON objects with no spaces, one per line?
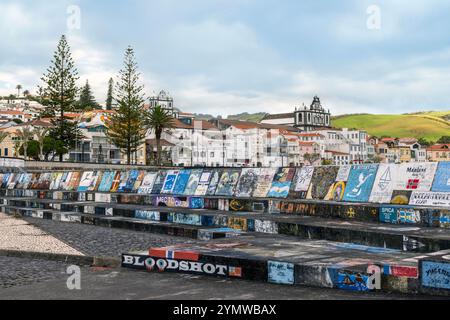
{"x":91,"y":261}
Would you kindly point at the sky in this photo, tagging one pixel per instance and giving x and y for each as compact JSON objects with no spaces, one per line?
{"x":230,"y":56}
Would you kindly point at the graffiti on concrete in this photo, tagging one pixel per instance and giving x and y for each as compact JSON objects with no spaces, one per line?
{"x":435,"y":274}
{"x":280,"y":272}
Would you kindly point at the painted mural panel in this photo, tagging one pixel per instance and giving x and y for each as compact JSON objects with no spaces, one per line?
{"x":247,"y":182}
{"x":337,"y":191}
{"x":265,"y":226}
{"x":169,"y":182}
{"x":159,"y":182}
{"x":442,"y":178}
{"x":302,"y":181}
{"x":129,"y":184}
{"x":408,"y":215}
{"x":264,"y":182}
{"x":400,"y":197}
{"x":147,"y":183}
{"x":181,"y":181}
{"x":98,"y":175}
{"x":360,"y":183}
{"x":388,"y":215}
{"x":184,"y":218}
{"x":433,"y":199}
{"x":281,"y":183}
{"x":436,"y":274}
{"x":228,"y":182}
{"x":343,"y":173}
{"x":138,"y":182}
{"x":123,"y":181}
{"x":280,"y":272}
{"x":383,"y":186}
{"x":74,"y":181}
{"x":85,"y":181}
{"x":215,"y":178}
{"x":352,"y":281}
{"x":192,"y":184}
{"x":147,"y":215}
{"x":116,"y":181}
{"x":415,"y":176}
{"x":322,"y":181}
{"x":203,"y":183}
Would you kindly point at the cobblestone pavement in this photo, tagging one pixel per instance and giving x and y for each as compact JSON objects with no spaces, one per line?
{"x":21,"y":272}
{"x":101,"y":241}
{"x":17,"y":234}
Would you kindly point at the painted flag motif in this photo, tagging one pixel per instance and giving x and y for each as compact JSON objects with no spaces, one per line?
{"x":413,"y":184}
{"x":235,"y":272}
{"x":172,"y":254}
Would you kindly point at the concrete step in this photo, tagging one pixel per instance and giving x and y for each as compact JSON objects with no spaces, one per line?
{"x":400,"y":237}
{"x":285,"y":260}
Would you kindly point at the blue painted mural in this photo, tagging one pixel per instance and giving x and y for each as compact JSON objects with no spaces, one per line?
{"x":388,"y":215}
{"x":442,"y":178}
{"x":147,"y":215}
{"x":436,"y":274}
{"x":360,"y":183}
{"x":182,"y":181}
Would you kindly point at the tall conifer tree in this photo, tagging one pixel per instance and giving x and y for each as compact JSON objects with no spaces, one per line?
{"x":109,"y":98}
{"x":126,"y":127}
{"x":58,"y":94}
{"x":87,"y":100}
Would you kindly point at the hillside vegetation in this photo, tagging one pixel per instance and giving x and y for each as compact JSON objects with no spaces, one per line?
{"x":429,"y":125}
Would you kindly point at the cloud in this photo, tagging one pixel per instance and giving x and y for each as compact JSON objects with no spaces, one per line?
{"x":225,"y":57}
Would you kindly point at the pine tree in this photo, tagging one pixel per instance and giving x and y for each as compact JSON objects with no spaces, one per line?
{"x":109,"y":99}
{"x":58,"y":95}
{"x":126,"y":128}
{"x":87,"y":100}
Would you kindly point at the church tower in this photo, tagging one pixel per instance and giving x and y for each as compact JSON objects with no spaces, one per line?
{"x":314,"y":117}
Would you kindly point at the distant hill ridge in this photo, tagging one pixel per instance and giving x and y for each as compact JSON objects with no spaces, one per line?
{"x":430,"y":125}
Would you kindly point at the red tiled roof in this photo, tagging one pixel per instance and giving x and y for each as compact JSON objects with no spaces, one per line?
{"x":439,"y":147}
{"x":306,"y":144}
{"x":12,"y":112}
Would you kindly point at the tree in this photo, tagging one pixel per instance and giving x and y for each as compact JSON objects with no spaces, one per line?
{"x":126,"y":127}
{"x":59,"y":92}
{"x":87,"y":100}
{"x":425,"y":143}
{"x":444,"y":140}
{"x":40,"y":134}
{"x":31,"y":151}
{"x":311,"y":157}
{"x":52,"y":146}
{"x":327,"y":162}
{"x":26,"y":93}
{"x":25,"y":134}
{"x":109,"y":99}
{"x":18,"y":88}
{"x":159,"y":119}
{"x":3,"y":136}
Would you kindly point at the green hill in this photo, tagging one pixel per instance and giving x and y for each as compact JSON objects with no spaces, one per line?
{"x":429,"y":125}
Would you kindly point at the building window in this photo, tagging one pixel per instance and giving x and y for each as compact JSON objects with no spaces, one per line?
{"x":6,"y":152}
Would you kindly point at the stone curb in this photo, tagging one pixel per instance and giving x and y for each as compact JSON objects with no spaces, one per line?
{"x":66,"y":258}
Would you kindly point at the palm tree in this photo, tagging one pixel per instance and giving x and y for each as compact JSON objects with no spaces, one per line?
{"x":41,"y":134}
{"x":25,"y":134}
{"x":18,"y":88}
{"x":3,"y":136}
{"x":159,"y":119}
